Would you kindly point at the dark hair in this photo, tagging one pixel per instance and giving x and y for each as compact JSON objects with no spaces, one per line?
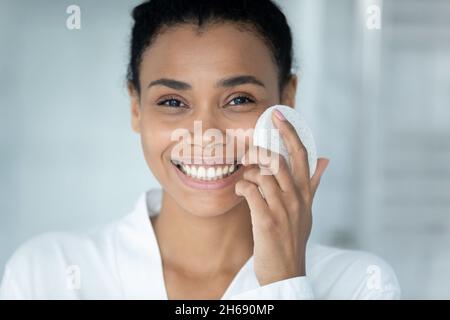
{"x":263,"y":17}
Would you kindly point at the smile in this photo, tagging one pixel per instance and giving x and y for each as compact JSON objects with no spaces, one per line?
{"x":207,"y":177}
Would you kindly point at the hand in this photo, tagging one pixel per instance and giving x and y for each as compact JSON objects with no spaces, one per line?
{"x":282,"y":219}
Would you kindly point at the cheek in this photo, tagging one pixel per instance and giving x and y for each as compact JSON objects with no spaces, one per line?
{"x":242,"y":127}
{"x":245,"y":120}
{"x":156,"y":138}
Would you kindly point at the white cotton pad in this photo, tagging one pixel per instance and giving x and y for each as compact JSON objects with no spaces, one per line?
{"x":265,"y":137}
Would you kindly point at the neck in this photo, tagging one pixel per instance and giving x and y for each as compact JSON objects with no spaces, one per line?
{"x":203,"y":245}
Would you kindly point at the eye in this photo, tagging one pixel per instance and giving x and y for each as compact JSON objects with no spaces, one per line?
{"x":171,"y":102}
{"x":241,"y":100}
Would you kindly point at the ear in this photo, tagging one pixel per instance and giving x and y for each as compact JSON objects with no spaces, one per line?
{"x":289,"y":91}
{"x":135,"y":108}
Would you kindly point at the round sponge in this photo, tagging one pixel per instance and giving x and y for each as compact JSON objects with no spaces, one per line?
{"x":265,"y":137}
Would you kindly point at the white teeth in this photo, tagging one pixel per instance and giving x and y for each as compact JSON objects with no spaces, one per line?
{"x":211,"y":173}
{"x":201,"y":173}
{"x":219,"y":172}
{"x":208,"y":173}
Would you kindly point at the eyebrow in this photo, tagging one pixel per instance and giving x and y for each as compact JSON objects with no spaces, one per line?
{"x":226,"y":82}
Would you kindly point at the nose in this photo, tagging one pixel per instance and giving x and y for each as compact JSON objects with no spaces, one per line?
{"x":207,"y":128}
{"x":209,"y":135}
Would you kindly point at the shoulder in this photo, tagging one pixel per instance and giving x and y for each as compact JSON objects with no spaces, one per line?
{"x":350,"y":274}
{"x":51,"y":247}
{"x":42,"y":265}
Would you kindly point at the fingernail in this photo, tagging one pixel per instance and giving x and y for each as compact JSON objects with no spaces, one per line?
{"x":279,"y":115}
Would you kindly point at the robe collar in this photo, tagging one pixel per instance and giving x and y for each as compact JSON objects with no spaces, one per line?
{"x":139,"y":259}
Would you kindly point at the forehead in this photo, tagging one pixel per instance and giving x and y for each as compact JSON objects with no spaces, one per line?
{"x":219,"y":49}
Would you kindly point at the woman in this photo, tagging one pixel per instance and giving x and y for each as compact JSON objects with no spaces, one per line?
{"x":220,"y":230}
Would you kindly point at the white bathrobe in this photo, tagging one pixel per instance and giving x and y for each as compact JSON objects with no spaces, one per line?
{"x":122,"y":261}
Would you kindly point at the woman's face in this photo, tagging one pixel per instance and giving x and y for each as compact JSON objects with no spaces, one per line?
{"x":203,"y":66}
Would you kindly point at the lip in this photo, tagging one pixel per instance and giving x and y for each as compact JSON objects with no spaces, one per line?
{"x":207,"y":185}
{"x":208,"y":162}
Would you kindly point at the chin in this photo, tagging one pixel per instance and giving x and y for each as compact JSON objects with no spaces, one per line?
{"x":209,"y":205}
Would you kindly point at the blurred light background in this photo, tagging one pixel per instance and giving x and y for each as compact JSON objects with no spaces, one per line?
{"x":378,"y":101}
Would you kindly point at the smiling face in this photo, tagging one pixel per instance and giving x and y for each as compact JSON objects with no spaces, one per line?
{"x":224,"y":77}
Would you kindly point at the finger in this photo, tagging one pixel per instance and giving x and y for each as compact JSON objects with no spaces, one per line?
{"x":277,"y":167}
{"x":268,"y":185}
{"x":249,"y":190}
{"x":257,"y":155}
{"x":322,"y":164}
{"x":297,"y":152}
